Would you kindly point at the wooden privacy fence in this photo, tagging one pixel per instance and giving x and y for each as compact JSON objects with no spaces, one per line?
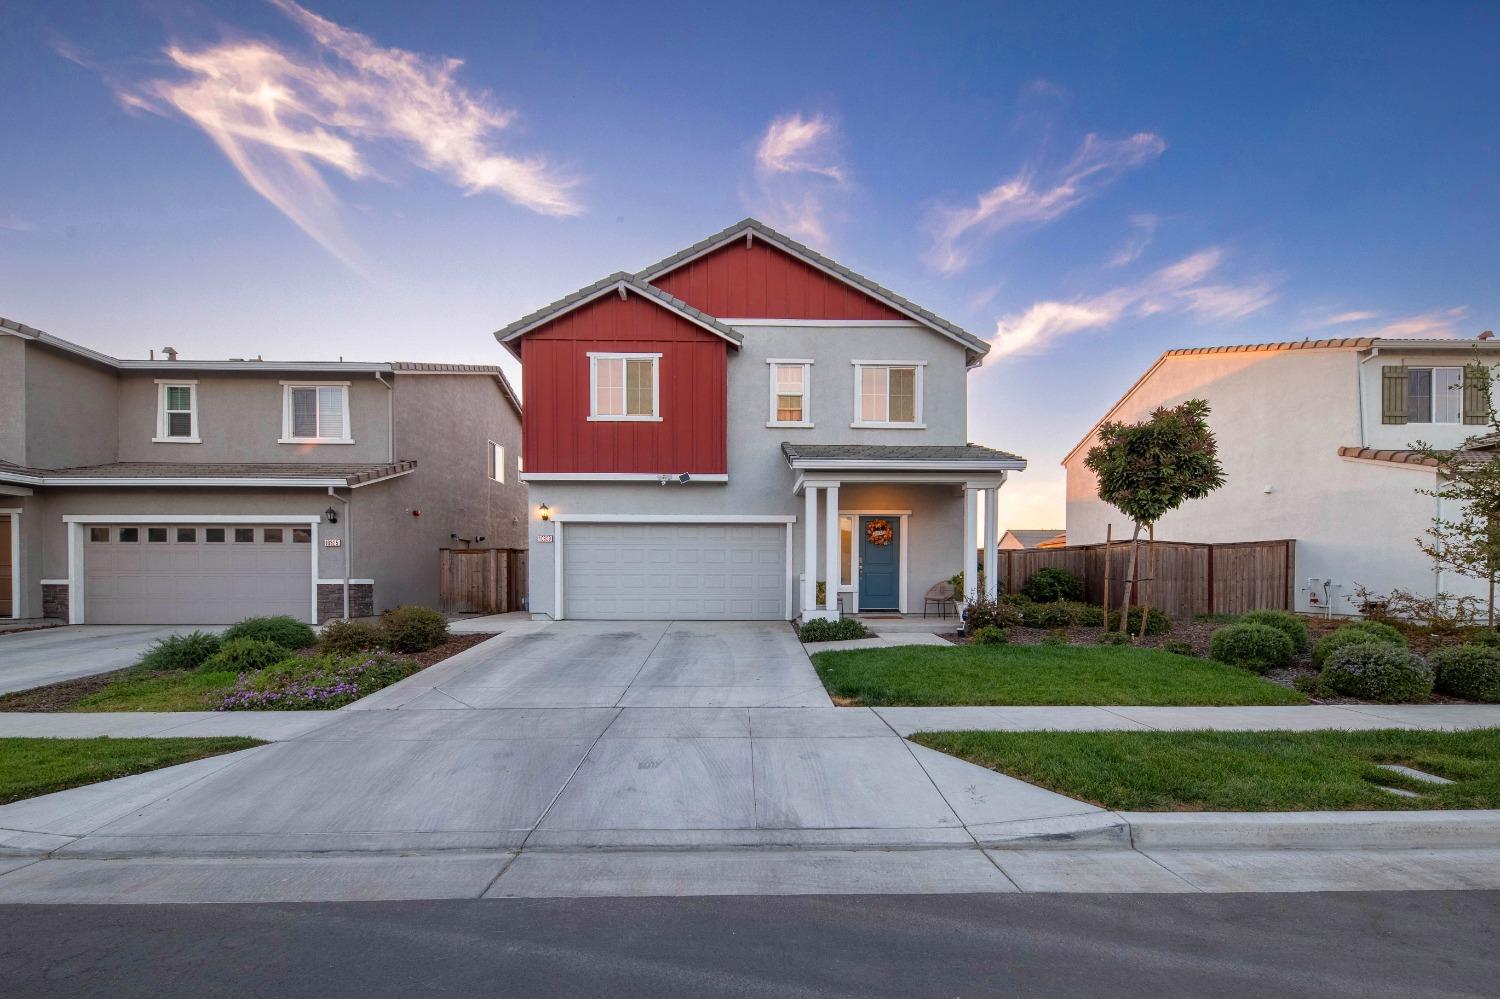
{"x":1190,"y":578}
{"x":482,"y":580}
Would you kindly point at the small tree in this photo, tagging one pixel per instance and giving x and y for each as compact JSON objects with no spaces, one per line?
{"x":1149,"y":468}
{"x":1469,"y":482}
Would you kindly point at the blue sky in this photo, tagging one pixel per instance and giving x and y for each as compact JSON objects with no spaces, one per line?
{"x":1088,"y":186}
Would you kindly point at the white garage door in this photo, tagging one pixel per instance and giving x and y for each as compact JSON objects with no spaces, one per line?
{"x":686,"y":572}
{"x":195,"y":573}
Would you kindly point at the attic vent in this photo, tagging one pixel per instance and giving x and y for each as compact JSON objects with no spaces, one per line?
{"x":171,"y":353}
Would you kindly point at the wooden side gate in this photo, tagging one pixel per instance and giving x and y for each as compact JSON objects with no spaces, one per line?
{"x":482,"y":580}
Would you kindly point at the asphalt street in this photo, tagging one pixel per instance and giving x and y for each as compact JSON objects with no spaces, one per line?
{"x":1330,"y":944}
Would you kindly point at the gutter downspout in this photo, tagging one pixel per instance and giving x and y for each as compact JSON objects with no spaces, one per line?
{"x":348,"y":543}
{"x":1359,"y":392}
{"x":390,"y":417}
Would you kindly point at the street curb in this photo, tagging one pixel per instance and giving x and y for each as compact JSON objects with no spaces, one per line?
{"x":1444,"y":829}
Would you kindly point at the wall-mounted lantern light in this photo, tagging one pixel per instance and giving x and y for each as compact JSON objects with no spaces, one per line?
{"x":543,"y":512}
{"x":331,"y":515}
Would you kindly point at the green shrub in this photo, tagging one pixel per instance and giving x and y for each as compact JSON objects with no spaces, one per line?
{"x":1285,"y":622}
{"x":410,"y":628}
{"x":1114,"y":638}
{"x":990,"y":635}
{"x":842,"y":630}
{"x":1256,"y":647}
{"x":1488,"y":637}
{"x":1179,"y":648}
{"x":315,"y":682}
{"x":1357,"y":633}
{"x":1046,"y":615}
{"x":284,"y":630}
{"x":1377,"y":671}
{"x":1157,"y":623}
{"x":179,"y":652}
{"x":343,"y":638}
{"x":984,"y":612}
{"x":244,"y":655}
{"x":1083,"y":615}
{"x":1048,"y":586}
{"x":1468,"y":671}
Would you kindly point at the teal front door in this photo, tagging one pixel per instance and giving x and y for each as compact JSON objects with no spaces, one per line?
{"x":879,"y":563}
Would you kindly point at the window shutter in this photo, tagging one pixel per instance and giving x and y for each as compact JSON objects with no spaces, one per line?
{"x":1476,"y":394}
{"x":1393,"y":393}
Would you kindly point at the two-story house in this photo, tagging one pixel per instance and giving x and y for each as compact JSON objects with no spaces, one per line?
{"x":1315,"y":439}
{"x":713,"y":435}
{"x":174,"y":491}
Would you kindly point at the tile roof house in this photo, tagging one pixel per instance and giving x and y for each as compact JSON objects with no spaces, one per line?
{"x":1315,"y":437}
{"x":748,"y":429}
{"x":177,"y":491}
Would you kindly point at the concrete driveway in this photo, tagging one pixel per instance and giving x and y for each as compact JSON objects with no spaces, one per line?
{"x":36,"y":658}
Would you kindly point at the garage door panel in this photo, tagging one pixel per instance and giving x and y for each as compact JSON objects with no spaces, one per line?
{"x":675,"y":571}
{"x":194,"y":580}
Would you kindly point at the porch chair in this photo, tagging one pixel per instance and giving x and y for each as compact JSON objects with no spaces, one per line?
{"x":942,"y":595}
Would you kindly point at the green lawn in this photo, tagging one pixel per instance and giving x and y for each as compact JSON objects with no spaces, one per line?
{"x":1241,"y":771}
{"x":29,"y":767}
{"x":176,"y":691}
{"x":1038,"y":674}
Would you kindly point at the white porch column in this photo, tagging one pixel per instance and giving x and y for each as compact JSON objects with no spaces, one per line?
{"x":971,"y":554}
{"x":831,"y":561}
{"x":810,"y":550}
{"x":991,"y":542}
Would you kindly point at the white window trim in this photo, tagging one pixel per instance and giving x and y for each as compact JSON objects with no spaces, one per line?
{"x":1432,"y":395}
{"x":595,"y":416}
{"x":14,"y":515}
{"x":917,"y":424}
{"x":286,"y":414}
{"x":853,"y":589}
{"x":495,"y":461}
{"x":806,"y":363}
{"x":162,"y":384}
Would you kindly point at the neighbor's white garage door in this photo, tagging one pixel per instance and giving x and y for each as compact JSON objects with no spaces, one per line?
{"x":675,"y":571}
{"x":195,"y":573}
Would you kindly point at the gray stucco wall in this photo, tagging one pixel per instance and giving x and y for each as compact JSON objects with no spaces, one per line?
{"x":13,"y":400}
{"x":445,"y":422}
{"x":240,"y":418}
{"x":70,"y":410}
{"x":760,"y":481}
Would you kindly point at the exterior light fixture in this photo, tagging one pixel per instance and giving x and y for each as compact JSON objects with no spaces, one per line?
{"x":543,"y":512}
{"x":331,"y":515}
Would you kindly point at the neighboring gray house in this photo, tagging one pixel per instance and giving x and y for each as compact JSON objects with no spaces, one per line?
{"x":711,"y":436}
{"x":180,"y":491}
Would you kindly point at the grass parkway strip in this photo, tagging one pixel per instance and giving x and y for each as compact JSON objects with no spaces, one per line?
{"x":1243,"y":771}
{"x":1038,"y":674}
{"x":30,"y":767}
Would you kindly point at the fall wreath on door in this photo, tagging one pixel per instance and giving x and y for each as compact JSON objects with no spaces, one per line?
{"x":878,"y":532}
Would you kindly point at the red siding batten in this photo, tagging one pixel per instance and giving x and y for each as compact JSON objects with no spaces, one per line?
{"x":555,"y":377}
{"x":762,"y":281}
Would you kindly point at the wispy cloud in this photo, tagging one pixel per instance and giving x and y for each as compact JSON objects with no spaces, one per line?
{"x":14,"y":223}
{"x":1142,"y":231}
{"x":284,"y":117}
{"x":1035,"y":196}
{"x":1183,"y":286}
{"x":1438,"y":324}
{"x":1339,"y":319}
{"x":797,"y":169}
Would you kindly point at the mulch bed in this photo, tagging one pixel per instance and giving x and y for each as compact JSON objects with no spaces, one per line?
{"x":1197,"y":633}
{"x":62,"y":696}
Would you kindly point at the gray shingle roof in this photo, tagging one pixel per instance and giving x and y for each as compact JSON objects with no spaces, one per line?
{"x":974,"y":454}
{"x":582,"y":295}
{"x":1032,"y":538}
{"x":351,"y":473}
{"x":974,"y":343}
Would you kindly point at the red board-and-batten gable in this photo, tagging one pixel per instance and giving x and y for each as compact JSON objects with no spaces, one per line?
{"x":691,"y":435}
{"x":763,"y":281}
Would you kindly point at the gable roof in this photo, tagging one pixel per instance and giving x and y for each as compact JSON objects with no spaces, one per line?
{"x":439,"y":368}
{"x":754,"y":228}
{"x":621,"y":282}
{"x":1032,"y":538}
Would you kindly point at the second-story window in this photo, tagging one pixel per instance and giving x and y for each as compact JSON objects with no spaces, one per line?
{"x":624,"y":386}
{"x":791,"y":384}
{"x":496,"y":461}
{"x":1434,"y":395}
{"x":888,"y":394}
{"x":177,"y":412}
{"x":315,"y":414}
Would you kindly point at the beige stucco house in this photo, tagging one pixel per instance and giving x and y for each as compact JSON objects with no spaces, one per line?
{"x":175,"y":491}
{"x":1315,"y":438}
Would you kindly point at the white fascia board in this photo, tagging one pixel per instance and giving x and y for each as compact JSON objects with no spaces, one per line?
{"x":187,"y":518}
{"x":620,"y":477}
{"x":621,"y":287}
{"x":670,"y":518}
{"x":226,"y":482}
{"x":807,"y":464}
{"x":274,"y":366}
{"x":376,"y":482}
{"x":900,"y":324}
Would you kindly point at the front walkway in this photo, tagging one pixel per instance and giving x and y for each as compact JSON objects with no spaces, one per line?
{"x":593,"y":758}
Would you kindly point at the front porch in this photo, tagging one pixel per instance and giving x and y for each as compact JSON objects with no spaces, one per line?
{"x":882,"y":524}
